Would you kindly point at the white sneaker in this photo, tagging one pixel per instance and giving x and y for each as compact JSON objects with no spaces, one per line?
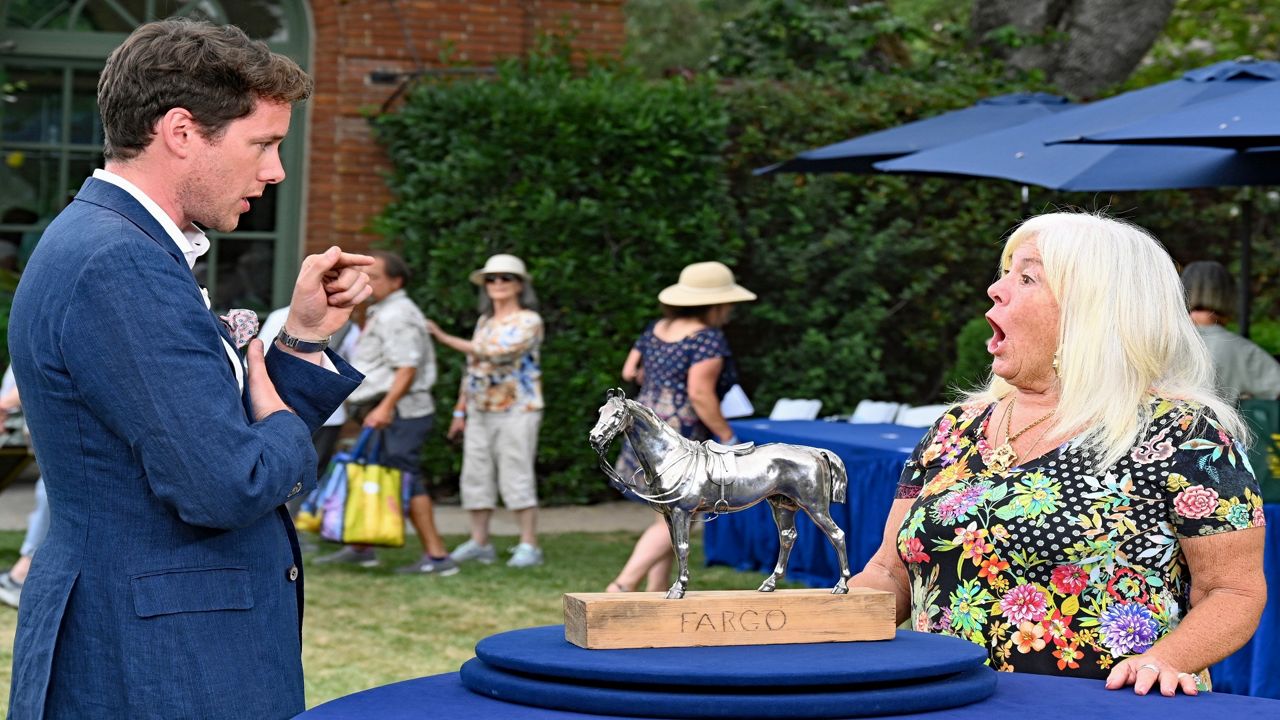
{"x":472,"y":550}
{"x":10,"y":590}
{"x":525,"y":555}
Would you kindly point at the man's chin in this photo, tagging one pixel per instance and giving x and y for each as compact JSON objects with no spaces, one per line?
{"x":224,"y":226}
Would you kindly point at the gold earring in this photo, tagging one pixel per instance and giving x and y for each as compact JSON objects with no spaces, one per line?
{"x":1056,"y":355}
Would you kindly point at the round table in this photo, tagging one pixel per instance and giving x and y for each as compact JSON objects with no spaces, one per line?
{"x":1017,"y":696}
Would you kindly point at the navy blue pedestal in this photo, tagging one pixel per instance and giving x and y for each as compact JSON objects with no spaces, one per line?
{"x":910,"y":655}
{"x":686,"y":703}
{"x":913,"y":672}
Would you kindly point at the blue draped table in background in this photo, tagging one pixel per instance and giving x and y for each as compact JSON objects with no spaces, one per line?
{"x":873,"y":456}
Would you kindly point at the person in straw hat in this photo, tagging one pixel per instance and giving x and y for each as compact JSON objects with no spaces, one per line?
{"x":499,"y":409}
{"x":684,"y":366}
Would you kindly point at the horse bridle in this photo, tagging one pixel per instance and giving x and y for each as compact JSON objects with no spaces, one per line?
{"x":664,"y":498}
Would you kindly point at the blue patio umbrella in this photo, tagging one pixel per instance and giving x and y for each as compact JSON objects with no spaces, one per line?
{"x":1033,"y":152}
{"x":1249,"y":119}
{"x":857,"y":155}
{"x":1021,"y":154}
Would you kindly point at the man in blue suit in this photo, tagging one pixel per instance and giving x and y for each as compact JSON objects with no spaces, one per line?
{"x":170,"y":583}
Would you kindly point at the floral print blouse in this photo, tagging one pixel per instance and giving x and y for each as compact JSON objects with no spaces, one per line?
{"x":1056,"y":569}
{"x":503,"y":372}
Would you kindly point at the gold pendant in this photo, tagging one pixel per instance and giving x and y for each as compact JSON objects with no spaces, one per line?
{"x":1003,"y":458}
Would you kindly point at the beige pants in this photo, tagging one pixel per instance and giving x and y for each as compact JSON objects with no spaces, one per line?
{"x":501,"y":446}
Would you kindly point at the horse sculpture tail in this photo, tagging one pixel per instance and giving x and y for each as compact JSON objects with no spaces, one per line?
{"x":839,"y":478}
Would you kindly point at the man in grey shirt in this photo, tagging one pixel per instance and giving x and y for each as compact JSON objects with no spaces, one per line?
{"x":1240,"y":367}
{"x":399,"y":364}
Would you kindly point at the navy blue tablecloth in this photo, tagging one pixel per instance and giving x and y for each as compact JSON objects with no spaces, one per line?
{"x":1017,"y":695}
{"x":1255,"y":668}
{"x":873,"y":455}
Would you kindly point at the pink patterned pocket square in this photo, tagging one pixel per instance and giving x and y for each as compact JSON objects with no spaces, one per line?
{"x":241,"y":324}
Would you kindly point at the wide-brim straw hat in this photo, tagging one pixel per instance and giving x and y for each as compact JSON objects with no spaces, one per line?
{"x":501,"y":265}
{"x":705,"y":283}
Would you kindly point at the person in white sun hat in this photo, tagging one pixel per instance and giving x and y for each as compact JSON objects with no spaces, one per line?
{"x":684,"y":367}
{"x":499,"y":409}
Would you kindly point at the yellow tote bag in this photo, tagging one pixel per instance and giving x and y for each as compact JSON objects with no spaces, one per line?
{"x":374,"y":513}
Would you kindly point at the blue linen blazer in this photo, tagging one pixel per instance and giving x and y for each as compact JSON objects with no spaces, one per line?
{"x":170,"y":583}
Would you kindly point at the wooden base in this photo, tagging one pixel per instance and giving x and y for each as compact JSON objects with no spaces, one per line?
{"x":735,"y":617}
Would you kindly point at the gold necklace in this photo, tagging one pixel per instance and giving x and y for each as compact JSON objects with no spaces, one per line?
{"x":1004,"y":456}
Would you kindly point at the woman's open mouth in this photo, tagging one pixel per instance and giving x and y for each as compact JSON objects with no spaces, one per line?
{"x":997,"y":338}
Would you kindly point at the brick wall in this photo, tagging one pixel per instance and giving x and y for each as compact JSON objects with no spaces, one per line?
{"x":356,"y":37}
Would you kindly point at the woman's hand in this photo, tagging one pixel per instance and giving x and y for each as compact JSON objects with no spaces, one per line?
{"x":457,"y":428}
{"x":1147,"y":670}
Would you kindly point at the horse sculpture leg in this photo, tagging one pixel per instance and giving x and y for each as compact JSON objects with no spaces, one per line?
{"x":678,"y":523}
{"x":821,"y":516}
{"x":784,"y":516}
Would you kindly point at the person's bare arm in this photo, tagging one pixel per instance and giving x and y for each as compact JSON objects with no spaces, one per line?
{"x":10,"y":401}
{"x":702,"y":393}
{"x":1228,"y":592}
{"x":885,"y":571}
{"x":463,"y":346}
{"x":384,"y":412}
{"x":631,"y":368}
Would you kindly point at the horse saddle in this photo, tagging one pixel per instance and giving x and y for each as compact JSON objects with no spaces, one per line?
{"x":739,"y":449}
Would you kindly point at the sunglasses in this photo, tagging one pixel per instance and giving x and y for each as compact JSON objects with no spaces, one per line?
{"x":500,"y":278}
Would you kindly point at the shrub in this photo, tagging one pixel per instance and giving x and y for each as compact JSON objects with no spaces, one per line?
{"x":605,"y":183}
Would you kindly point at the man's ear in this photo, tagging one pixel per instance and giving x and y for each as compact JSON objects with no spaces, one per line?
{"x":177,"y":132}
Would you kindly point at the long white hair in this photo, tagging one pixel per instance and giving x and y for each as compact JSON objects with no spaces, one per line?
{"x":1124,"y":333}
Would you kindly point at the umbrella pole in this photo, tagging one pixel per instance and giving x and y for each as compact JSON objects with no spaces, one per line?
{"x":1246,"y":259}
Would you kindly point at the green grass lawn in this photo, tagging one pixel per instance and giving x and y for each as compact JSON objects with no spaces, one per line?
{"x":369,"y":627}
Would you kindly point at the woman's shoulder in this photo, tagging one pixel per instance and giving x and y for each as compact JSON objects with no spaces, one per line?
{"x":1167,"y":411}
{"x":1185,"y":421}
{"x":525,"y":316}
{"x":706,"y":344}
{"x":963,"y":413}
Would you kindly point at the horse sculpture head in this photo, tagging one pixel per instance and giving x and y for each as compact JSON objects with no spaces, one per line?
{"x":613,"y":420}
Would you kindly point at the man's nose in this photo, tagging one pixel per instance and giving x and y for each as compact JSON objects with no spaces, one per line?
{"x":273,"y":171}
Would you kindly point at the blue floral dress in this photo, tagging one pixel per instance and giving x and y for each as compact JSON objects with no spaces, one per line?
{"x":666,"y":382}
{"x":1056,"y":569}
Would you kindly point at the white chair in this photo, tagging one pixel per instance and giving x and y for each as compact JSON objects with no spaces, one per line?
{"x":789,"y":409}
{"x":920,"y":416}
{"x":875,"y":411}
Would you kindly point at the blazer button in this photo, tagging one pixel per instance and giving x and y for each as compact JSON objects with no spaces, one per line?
{"x":297,"y":488}
{"x":293,"y":573}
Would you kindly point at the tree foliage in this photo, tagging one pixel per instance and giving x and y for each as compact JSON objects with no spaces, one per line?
{"x":607,"y":183}
{"x":1081,"y":46}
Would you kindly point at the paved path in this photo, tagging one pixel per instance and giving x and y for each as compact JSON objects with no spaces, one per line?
{"x":18,"y":500}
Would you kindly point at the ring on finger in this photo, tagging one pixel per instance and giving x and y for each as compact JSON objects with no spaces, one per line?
{"x":1151,"y":667}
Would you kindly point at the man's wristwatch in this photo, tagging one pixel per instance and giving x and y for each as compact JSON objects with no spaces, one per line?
{"x":306,"y":346}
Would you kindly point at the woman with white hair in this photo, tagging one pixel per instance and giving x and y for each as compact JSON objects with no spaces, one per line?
{"x":1090,"y":512}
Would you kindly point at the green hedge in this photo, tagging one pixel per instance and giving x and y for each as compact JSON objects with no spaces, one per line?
{"x":605,"y":183}
{"x":608,"y":183}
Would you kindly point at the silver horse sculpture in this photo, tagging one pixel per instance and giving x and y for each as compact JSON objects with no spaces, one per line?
{"x":680,"y":478}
